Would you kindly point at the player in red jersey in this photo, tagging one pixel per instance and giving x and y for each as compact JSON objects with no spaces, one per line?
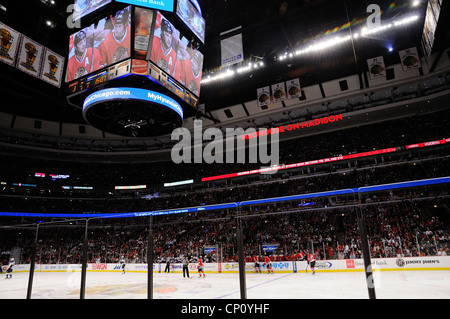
{"x":117,"y":44}
{"x":300,"y":255}
{"x":268,"y":264}
{"x":201,"y":269}
{"x":257,"y":265}
{"x":312,"y":262}
{"x":163,"y":53}
{"x":85,"y":59}
{"x":191,"y":72}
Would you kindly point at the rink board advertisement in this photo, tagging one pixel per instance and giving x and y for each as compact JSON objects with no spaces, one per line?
{"x":342,"y":265}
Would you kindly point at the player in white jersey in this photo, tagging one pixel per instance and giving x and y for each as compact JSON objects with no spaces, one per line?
{"x":10,"y":268}
{"x":123,"y":263}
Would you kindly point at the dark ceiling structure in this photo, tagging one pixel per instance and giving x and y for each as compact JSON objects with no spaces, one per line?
{"x":269,"y":29}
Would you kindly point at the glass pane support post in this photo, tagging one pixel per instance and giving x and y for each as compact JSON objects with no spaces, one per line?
{"x":150,"y":260}
{"x":240,"y":243}
{"x":84,"y":262}
{"x":366,"y":253}
{"x":32,"y":263}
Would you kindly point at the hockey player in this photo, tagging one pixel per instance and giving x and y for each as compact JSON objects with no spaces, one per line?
{"x":268,"y":264}
{"x":312,"y":262}
{"x":257,"y":265}
{"x":201,"y":269}
{"x":300,"y":255}
{"x":85,"y":59}
{"x":116,"y":46}
{"x":123,"y":263}
{"x":10,"y":268}
{"x":163,"y":52}
{"x":191,"y":71}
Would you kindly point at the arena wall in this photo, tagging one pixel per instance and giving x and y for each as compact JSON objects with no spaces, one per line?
{"x":343,"y":265}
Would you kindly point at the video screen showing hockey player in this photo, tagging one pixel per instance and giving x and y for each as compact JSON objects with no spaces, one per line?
{"x":112,"y":37}
{"x":83,"y":57}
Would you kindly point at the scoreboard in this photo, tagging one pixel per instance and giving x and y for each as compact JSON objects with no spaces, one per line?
{"x":125,"y":47}
{"x":131,"y":67}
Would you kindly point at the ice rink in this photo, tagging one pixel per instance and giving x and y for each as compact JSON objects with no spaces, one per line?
{"x":343,"y":285}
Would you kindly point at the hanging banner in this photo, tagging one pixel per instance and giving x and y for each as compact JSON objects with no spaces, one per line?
{"x":9,"y":44}
{"x":293,"y":88}
{"x":30,"y":57}
{"x":52,"y":67}
{"x":410,"y":59}
{"x":278,"y":92}
{"x":232,"y":50}
{"x":377,"y":69}
{"x":431,"y":22}
{"x":263,"y":96}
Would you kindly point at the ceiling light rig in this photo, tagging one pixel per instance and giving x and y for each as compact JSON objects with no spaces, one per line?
{"x":49,"y":2}
{"x":335,"y":41}
{"x":230,"y":73}
{"x":323,"y":45}
{"x":50,"y":24}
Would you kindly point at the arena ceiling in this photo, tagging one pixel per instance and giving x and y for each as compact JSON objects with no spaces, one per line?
{"x":269,"y":28}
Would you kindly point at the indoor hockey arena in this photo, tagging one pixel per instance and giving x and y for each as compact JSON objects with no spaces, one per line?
{"x":224,"y":153}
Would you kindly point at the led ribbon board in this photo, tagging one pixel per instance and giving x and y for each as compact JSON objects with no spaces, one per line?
{"x":165,"y":5}
{"x":125,"y":93}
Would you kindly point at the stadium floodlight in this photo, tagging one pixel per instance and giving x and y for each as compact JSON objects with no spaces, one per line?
{"x":335,"y":41}
{"x":323,"y":45}
{"x":223,"y":75}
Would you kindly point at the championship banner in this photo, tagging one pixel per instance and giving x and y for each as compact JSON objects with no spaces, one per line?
{"x":278,"y":92}
{"x":294,"y":90}
{"x":30,"y":57}
{"x":377,"y":69}
{"x":232,"y":50}
{"x":410,"y":59}
{"x":431,"y":22}
{"x":263,"y":96}
{"x":52,"y":67}
{"x":9,"y":44}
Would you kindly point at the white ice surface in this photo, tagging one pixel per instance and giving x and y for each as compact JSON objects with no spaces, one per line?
{"x":352,"y":285}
